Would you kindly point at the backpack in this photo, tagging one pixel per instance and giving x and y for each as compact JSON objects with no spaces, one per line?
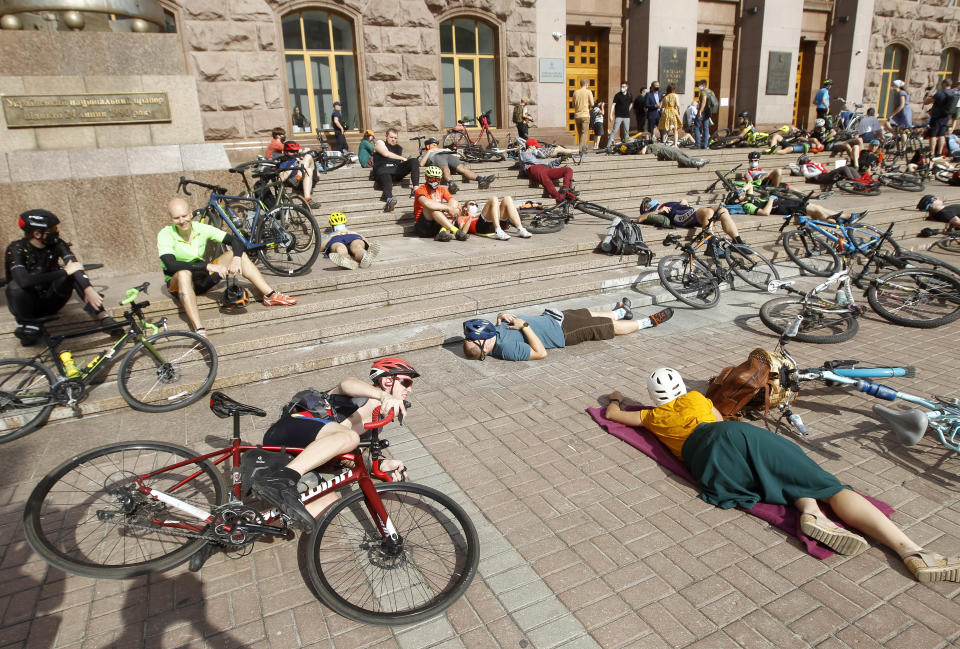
{"x":626,"y":238}
{"x":310,"y":400}
{"x":712,"y":104}
{"x":755,"y":383}
{"x":518,"y":114}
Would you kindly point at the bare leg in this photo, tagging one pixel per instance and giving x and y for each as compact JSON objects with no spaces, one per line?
{"x":357,"y":248}
{"x":182,"y":284}
{"x":447,"y":176}
{"x":508,"y":211}
{"x":308,"y":166}
{"x":466,"y":172}
{"x":338,"y":248}
{"x":439,"y":217}
{"x":491,"y":211}
{"x":775,"y":177}
{"x":856,"y":511}
{"x":333,"y":439}
{"x":818,"y":211}
{"x":252,"y":274}
{"x":620,"y":327}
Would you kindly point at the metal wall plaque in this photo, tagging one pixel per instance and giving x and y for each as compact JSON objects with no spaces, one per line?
{"x":778,"y":73}
{"x":552,"y":71}
{"x":673,"y":68}
{"x":28,"y":111}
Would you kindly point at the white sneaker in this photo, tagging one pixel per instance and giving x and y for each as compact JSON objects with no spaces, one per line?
{"x":500,"y":235}
{"x":523,"y":233}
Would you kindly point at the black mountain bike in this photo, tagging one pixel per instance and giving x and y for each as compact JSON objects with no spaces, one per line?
{"x":544,"y":220}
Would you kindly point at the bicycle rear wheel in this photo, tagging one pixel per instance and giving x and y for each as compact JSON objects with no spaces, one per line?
{"x":25,"y":398}
{"x":540,"y":221}
{"x":903,"y":182}
{"x":366,"y":578}
{"x":167,"y":371}
{"x":334,"y":163}
{"x":454,"y":140}
{"x":811,"y":253}
{"x":89,"y":517}
{"x":688,"y":281}
{"x":823,"y":321}
{"x":950,"y":244}
{"x":916,"y":298}
{"x":750,"y":266}
{"x":492,"y":142}
{"x":291,"y":235}
{"x":861,"y":189}
{"x":599,"y":211}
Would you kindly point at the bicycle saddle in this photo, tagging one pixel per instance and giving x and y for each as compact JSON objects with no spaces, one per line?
{"x":224,"y":407}
{"x":908,"y":425}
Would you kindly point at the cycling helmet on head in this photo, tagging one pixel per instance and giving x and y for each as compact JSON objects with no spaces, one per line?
{"x":753,"y":155}
{"x":744,"y":115}
{"x":338,"y":218}
{"x":820,"y":122}
{"x":479,"y":329}
{"x":429,"y":141}
{"x":37,"y":220}
{"x":433,"y":172}
{"x":391,"y":366}
{"x":804,"y":159}
{"x":926,"y":202}
{"x":291,"y":147}
{"x":665,"y":385}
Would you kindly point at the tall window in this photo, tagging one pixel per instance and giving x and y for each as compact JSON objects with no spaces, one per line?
{"x":321,"y":69}
{"x":468,"y":69}
{"x":949,"y":65}
{"x":894,"y":67}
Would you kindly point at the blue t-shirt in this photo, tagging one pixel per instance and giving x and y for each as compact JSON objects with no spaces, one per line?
{"x":822,"y":98}
{"x":512,"y":344}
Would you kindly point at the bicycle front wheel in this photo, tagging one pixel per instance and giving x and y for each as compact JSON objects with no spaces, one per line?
{"x":454,"y":140}
{"x":688,"y":281}
{"x":600,"y":211}
{"x":90,"y":517}
{"x":290,"y":235}
{"x":811,"y":253}
{"x":950,"y":244}
{"x":823,"y":321}
{"x":903,"y":182}
{"x":916,"y":298}
{"x":750,"y":266}
{"x":373,"y":580}
{"x":25,"y":398}
{"x":167,"y":371}
{"x":541,"y":221}
{"x":856,"y":187}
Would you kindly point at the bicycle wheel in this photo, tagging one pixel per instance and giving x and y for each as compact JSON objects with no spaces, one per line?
{"x":861,"y":189}
{"x":167,"y":371}
{"x":916,"y":298}
{"x":454,"y":140}
{"x":600,"y":211}
{"x":750,"y":266}
{"x":291,"y":235}
{"x":366,"y":578}
{"x":25,"y":398}
{"x":865,"y":237}
{"x":689,"y":281}
{"x":950,"y":244}
{"x":296,"y":200}
{"x":540,"y":221}
{"x":820,"y":324}
{"x":89,"y":517}
{"x":903,"y":182}
{"x":334,"y":163}
{"x":811,"y":253}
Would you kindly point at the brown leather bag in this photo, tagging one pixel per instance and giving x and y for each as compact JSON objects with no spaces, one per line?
{"x":735,"y":386}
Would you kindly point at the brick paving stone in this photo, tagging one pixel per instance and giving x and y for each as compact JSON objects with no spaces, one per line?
{"x":695,"y":620}
{"x":770,"y":628}
{"x":791,"y":606}
{"x":853,"y":636}
{"x":425,"y":634}
{"x":914,"y":637}
{"x":621,"y":631}
{"x":816,"y":625}
{"x":602,"y":611}
{"x":645,"y":592}
{"x":728,"y":608}
{"x":665,"y":624}
{"x":556,"y":632}
{"x":746,"y":637}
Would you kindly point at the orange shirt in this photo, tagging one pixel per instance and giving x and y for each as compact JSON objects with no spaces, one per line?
{"x":440,"y":194}
{"x":275,"y":146}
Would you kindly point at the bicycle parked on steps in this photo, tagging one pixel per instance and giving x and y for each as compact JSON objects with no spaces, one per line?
{"x":482,"y":149}
{"x":164,"y":371}
{"x":544,"y":220}
{"x":391,"y":553}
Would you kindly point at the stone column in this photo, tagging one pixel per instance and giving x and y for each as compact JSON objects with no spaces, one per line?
{"x":662,"y":23}
{"x":849,"y":44}
{"x":550,"y":97}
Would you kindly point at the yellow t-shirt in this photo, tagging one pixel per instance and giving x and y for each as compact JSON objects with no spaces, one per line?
{"x":673,"y":421}
{"x":581,"y":102}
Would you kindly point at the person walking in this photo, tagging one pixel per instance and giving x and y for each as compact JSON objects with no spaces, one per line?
{"x":701,"y":125}
{"x":582,"y":103}
{"x":670,"y":115}
{"x":822,"y":99}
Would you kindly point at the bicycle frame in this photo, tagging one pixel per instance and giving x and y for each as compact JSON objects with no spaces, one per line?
{"x":461,"y":127}
{"x":840,"y":234}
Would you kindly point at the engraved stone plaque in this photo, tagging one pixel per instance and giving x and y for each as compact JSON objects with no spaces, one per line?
{"x":673,"y":68}
{"x":29,"y":111}
{"x":778,"y":73}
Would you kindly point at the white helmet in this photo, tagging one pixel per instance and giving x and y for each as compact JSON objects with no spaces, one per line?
{"x":821,"y":122}
{"x":665,"y":385}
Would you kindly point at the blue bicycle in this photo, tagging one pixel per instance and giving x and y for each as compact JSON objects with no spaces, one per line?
{"x":815,"y":246}
{"x":285,"y":238}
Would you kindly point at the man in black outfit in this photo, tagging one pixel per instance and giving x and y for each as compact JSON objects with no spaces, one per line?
{"x":652,"y":103}
{"x":640,"y":109}
{"x":937,"y":211}
{"x":941,"y":110}
{"x":390,"y":165}
{"x":37,"y":285}
{"x":622,"y":101}
{"x":336,"y":118}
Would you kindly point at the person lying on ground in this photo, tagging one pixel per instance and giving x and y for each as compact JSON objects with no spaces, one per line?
{"x":937,"y":210}
{"x":815,"y":172}
{"x":680,"y":214}
{"x":739,"y":464}
{"x":450,"y":163}
{"x":521,"y":339}
{"x":181,"y":246}
{"x":345,"y":248}
{"x":487,"y":219}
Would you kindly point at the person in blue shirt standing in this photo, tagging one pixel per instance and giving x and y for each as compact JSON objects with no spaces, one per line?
{"x":528,"y":339}
{"x":822,"y":99}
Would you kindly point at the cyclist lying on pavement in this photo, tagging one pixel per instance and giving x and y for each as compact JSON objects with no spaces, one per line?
{"x":487,"y":219}
{"x":521,"y":339}
{"x":545,"y":174}
{"x":739,"y":464}
{"x":754,"y":172}
{"x":745,"y":201}
{"x":680,"y":214}
{"x":434,"y":210}
{"x":181,"y":246}
{"x":345,"y":248}
{"x":817,"y":173}
{"x":450,"y":163}
{"x":937,"y":211}
{"x":333,"y":429}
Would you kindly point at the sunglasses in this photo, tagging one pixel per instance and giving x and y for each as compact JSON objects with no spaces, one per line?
{"x":405,"y":381}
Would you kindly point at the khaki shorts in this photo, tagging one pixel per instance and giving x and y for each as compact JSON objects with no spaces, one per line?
{"x":579,"y":326}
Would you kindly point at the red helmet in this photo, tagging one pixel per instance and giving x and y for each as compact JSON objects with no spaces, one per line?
{"x":391,"y":366}
{"x":291,"y":147}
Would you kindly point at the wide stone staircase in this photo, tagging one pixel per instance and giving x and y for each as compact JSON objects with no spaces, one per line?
{"x":419,"y":290}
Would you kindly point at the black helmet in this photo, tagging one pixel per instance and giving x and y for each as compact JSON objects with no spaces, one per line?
{"x":753,"y":155}
{"x":804,"y":159}
{"x":744,"y":115}
{"x":234,"y":296}
{"x":37,"y":220}
{"x":926,"y":202}
{"x":429,"y":141}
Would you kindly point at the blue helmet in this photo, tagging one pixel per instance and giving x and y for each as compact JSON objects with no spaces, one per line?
{"x":479,"y":329}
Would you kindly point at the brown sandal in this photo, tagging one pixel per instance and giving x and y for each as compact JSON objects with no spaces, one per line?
{"x":836,"y":538}
{"x":930,"y":566}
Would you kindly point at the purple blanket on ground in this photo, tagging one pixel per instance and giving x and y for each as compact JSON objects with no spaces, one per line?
{"x":786,"y":518}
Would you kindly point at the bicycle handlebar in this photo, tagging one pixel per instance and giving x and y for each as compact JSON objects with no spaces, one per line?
{"x":380,"y":423}
{"x":133,"y":293}
{"x":184,"y":183}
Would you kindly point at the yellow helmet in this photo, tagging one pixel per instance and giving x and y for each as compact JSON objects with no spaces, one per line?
{"x":338,"y":218}
{"x":433,"y":172}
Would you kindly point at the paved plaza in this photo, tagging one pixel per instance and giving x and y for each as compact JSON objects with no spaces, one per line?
{"x":585,"y":541}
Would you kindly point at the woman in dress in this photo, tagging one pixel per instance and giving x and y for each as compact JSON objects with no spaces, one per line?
{"x":670,"y":117}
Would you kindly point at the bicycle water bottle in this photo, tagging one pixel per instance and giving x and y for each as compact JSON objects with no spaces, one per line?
{"x":69,"y":366}
{"x":606,"y":245}
{"x":96,"y":359}
{"x":842,"y":297}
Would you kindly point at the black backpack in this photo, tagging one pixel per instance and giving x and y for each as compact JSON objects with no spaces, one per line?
{"x":626,"y":238}
{"x":712,"y":104}
{"x":310,"y":400}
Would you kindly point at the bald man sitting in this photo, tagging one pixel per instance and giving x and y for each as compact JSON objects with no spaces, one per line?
{"x":181,"y":246}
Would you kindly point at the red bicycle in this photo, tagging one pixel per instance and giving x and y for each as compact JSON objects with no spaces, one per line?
{"x":385,"y":553}
{"x":484,"y":148}
{"x":869,"y":185}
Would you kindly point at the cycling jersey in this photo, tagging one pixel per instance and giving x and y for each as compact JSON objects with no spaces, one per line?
{"x":441,"y":194}
{"x":813,"y":169}
{"x":176,"y":253}
{"x":28,"y":265}
{"x":754,"y":174}
{"x":298,"y":429}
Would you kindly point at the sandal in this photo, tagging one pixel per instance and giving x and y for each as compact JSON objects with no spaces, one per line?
{"x":930,"y":566}
{"x":836,"y":538}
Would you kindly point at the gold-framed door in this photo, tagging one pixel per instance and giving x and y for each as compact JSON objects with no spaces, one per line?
{"x":583,"y":62}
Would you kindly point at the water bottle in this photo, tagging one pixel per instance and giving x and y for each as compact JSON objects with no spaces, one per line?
{"x":842,"y":297}
{"x":308,"y":481}
{"x":797,"y":423}
{"x":606,"y":244}
{"x":69,"y":366}
{"x":93,"y":361}
{"x":251,"y":216}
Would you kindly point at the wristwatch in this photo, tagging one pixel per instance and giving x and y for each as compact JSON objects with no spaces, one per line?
{"x":525,"y":325}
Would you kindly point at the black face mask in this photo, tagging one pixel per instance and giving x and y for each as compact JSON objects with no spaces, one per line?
{"x":51,"y":238}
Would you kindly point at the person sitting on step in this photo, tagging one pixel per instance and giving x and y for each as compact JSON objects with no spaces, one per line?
{"x":545,"y":174}
{"x":345,"y":248}
{"x":435,"y":210}
{"x":390,"y":165}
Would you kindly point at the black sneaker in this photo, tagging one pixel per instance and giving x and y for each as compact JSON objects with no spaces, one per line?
{"x":461,"y":234}
{"x":625,"y":304}
{"x":280,"y":490}
{"x":29,"y":335}
{"x":657,"y":318}
{"x":484,"y":181}
{"x":200,"y":556}
{"x":453,"y":187}
{"x":391,"y":203}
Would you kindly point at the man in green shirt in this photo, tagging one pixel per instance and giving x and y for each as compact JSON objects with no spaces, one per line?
{"x":181,"y":247}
